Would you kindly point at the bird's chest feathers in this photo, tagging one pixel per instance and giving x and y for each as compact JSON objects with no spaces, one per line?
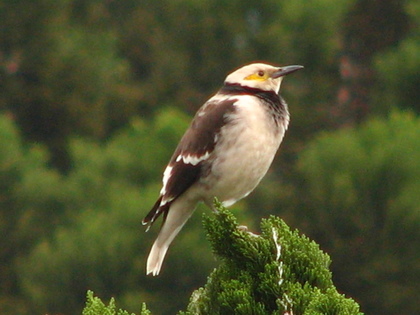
{"x":252,"y":129}
{"x":246,"y":146}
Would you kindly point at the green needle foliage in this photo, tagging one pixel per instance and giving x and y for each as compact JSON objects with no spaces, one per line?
{"x":276,"y":272}
{"x":95,"y":306}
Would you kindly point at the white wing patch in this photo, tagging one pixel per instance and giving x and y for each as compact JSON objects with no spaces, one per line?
{"x":166,"y":175}
{"x":192,"y":159}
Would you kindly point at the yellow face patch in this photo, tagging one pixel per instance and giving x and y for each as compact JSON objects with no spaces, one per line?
{"x":258,"y":76}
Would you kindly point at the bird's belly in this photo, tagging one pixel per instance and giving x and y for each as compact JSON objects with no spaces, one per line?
{"x":242,"y":161}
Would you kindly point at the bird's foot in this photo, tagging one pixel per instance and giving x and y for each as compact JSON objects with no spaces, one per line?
{"x":244,"y":228}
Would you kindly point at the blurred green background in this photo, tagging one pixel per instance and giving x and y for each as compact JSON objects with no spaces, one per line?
{"x":95,"y":94}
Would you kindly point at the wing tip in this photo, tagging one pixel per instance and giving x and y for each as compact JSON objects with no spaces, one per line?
{"x":155,"y":213}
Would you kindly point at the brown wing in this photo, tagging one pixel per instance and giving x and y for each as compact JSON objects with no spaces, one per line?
{"x":194,"y":149}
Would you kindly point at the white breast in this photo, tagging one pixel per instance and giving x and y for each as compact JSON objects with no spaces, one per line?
{"x":245,"y":151}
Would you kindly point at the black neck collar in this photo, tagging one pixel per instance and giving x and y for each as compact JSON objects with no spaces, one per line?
{"x":237,"y":89}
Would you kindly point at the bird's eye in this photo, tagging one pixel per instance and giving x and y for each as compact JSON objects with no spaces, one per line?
{"x":260,"y":73}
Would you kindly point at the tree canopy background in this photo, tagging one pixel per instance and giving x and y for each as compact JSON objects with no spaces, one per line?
{"x":94,"y":96}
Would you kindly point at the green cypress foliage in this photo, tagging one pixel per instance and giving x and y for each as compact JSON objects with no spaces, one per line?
{"x":94,"y":306}
{"x":276,"y":272}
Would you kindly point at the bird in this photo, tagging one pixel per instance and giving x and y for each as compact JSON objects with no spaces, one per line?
{"x":226,"y":151}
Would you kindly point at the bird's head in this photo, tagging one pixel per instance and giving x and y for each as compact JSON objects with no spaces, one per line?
{"x":260,"y":76}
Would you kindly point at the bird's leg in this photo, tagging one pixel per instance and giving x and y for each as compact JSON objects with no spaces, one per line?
{"x":244,"y":228}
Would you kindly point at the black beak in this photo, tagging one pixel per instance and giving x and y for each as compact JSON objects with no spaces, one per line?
{"x":285,"y":70}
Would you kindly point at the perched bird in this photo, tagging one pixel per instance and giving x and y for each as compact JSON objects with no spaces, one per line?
{"x":225,"y":152}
